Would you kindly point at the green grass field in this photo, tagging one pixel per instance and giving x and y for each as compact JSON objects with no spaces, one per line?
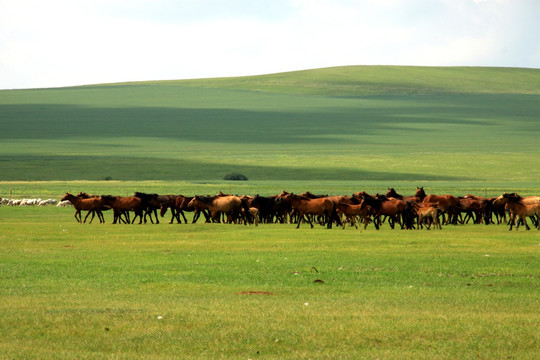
{"x":208,"y":291}
{"x":383,"y":124}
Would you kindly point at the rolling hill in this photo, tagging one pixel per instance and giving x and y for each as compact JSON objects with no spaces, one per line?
{"x":358,"y":123}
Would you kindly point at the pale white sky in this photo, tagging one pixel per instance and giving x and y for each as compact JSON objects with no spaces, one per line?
{"x":50,"y":43}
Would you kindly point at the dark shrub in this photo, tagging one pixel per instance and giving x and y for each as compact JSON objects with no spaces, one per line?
{"x":235,"y":176}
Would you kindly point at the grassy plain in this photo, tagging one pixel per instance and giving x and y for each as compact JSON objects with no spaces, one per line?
{"x":223,"y":291}
{"x":207,"y":291}
{"x":383,"y":124}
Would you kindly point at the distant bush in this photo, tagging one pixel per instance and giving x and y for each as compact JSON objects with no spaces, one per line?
{"x":235,"y":176}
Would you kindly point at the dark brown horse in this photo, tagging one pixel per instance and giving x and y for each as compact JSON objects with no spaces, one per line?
{"x":151,"y":203}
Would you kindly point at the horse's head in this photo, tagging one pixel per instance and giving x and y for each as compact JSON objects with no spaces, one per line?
{"x":420,"y":193}
{"x":163,"y":209}
{"x":67,"y":197}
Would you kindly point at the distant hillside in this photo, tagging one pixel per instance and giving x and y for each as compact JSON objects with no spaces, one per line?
{"x":384,"y":80}
{"x":356,"y":123}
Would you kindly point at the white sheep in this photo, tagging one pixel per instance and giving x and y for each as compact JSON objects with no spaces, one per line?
{"x":47,"y":202}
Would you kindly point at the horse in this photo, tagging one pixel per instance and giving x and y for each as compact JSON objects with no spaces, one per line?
{"x":473,"y":206}
{"x":151,"y":202}
{"x":321,"y":207}
{"x":425,"y":211}
{"x":351,"y":212}
{"x":178,"y":205}
{"x":230,"y":205}
{"x":93,"y":205}
{"x":521,"y":210}
{"x":266,"y":207}
{"x":447,"y":204}
{"x":84,"y":195}
{"x":418,"y":197}
{"x":122,"y":205}
{"x":381,"y":205}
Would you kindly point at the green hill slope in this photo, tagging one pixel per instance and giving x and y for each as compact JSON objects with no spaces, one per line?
{"x":382,"y":124}
{"x":385,"y":80}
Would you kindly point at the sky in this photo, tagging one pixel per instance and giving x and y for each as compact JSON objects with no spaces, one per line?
{"x":55,"y":43}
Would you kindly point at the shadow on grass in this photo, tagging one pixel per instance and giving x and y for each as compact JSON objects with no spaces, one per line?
{"x":46,"y":168}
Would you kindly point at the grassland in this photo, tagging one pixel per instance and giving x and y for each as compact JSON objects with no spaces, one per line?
{"x":378,"y":124}
{"x":209,"y":291}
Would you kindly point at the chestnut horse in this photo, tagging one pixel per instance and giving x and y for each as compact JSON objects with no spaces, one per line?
{"x":180,"y":204}
{"x":447,"y":204}
{"x":93,"y":205}
{"x":351,"y":212}
{"x":381,"y":205}
{"x":320,"y":207}
{"x":122,"y":205}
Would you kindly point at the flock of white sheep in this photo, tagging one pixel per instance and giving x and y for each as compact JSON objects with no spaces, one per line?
{"x":34,"y":202}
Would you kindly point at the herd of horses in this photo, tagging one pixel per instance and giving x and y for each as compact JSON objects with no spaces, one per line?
{"x":408,"y":212}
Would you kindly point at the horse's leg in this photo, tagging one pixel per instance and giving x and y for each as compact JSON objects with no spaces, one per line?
{"x":147,"y":213}
{"x":181,"y":212}
{"x":376,"y":221}
{"x":92,"y":218}
{"x":391,"y":221}
{"x":299,"y":221}
{"x":511,"y":221}
{"x":78,"y":218}
{"x":525,"y":221}
{"x":101,"y":217}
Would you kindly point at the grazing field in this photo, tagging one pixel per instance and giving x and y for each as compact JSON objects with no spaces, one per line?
{"x":383,"y":124}
{"x":231,"y":291}
{"x":207,"y":291}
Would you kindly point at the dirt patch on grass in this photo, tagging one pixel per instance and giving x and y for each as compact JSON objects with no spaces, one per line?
{"x":253,"y":292}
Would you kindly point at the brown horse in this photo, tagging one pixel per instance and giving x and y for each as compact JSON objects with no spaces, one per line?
{"x":230,"y":205}
{"x":180,"y":204}
{"x":448,"y":204}
{"x":520,"y":209}
{"x":151,"y":203}
{"x":474,"y":208}
{"x":382,"y":206}
{"x":92,"y":204}
{"x":351,"y":212}
{"x":320,"y":207}
{"x":122,"y":205}
{"x":418,"y":197}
